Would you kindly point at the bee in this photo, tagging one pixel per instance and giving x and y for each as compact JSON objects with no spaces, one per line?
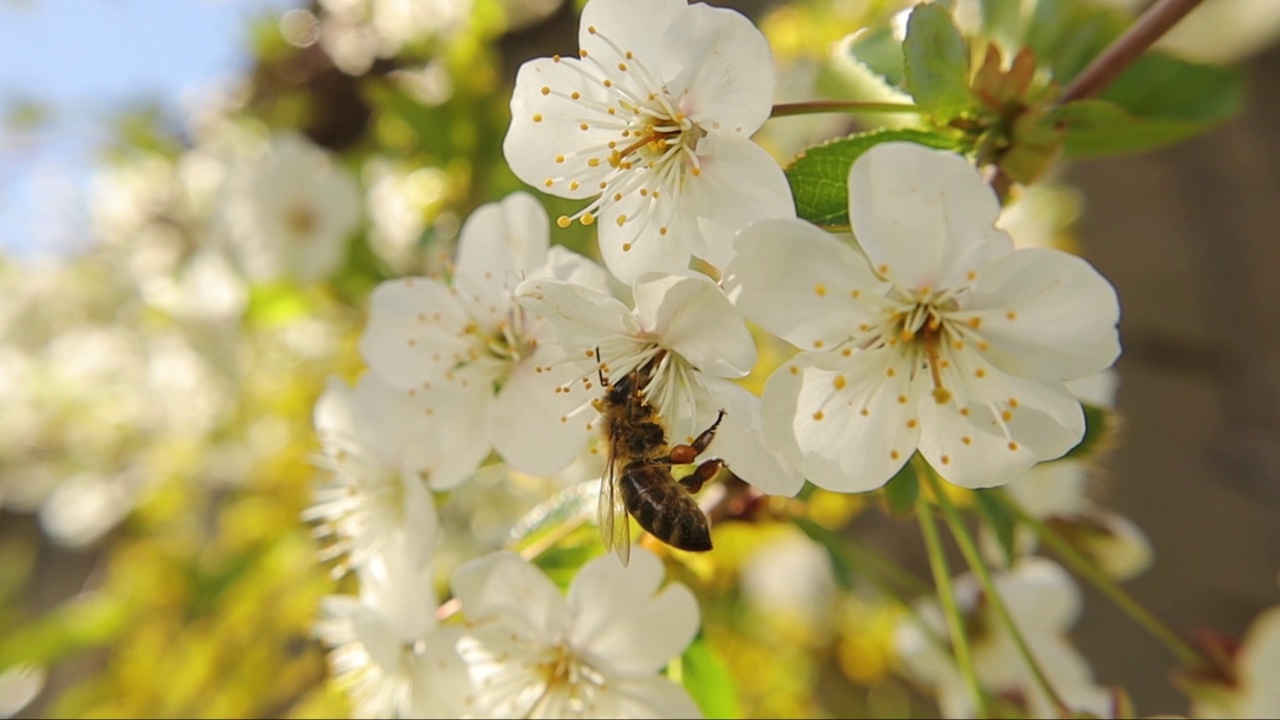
{"x":638,"y":481}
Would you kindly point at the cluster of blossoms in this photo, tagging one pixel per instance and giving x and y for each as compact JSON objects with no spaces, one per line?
{"x":928,"y":332}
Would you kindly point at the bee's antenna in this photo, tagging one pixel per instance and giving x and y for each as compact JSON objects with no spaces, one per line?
{"x":600,"y":369}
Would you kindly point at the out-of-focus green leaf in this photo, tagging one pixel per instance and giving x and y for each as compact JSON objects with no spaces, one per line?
{"x":708,"y":681}
{"x":1001,"y":20}
{"x":819,"y":177}
{"x":1162,"y":87}
{"x":997,"y":517}
{"x":936,"y":60}
{"x":276,"y":303}
{"x":881,"y":53}
{"x":1098,"y":128}
{"x":1067,"y":34}
{"x":902,"y":490}
{"x":1098,"y":427}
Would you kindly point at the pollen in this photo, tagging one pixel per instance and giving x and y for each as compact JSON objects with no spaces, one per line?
{"x":975,"y":322}
{"x":847,"y":352}
{"x":588,"y":218}
{"x":548,"y":182}
{"x":1013,"y":402}
{"x":546,"y":90}
{"x":584,"y":127}
{"x":695,"y":171}
{"x":563,"y":221}
{"x":980,"y":373}
{"x":617,"y":197}
{"x":911,"y":424}
{"x":820,"y":290}
{"x":902,"y":399}
{"x":864,"y":412}
{"x":573,"y":184}
{"x":537,"y":117}
{"x":855,"y":293}
{"x":607,"y":83}
{"x":964,"y":412}
{"x":818,"y":415}
{"x":1013,"y":446}
{"x":575,"y":95}
{"x":622,"y":67}
{"x":795,"y":370}
{"x":889,"y":372}
{"x":883,"y":270}
{"x":626,"y":247}
{"x":894,"y":455}
{"x":817,"y":344}
{"x":663,"y":230}
{"x":946,"y":459}
{"x":1011,"y":315}
{"x":559,"y":159}
{"x":839,"y":382}
{"x":622,"y":220}
{"x":966,"y":440}
{"x":1006,"y":416}
{"x":591,"y":29}
{"x":582,"y":53}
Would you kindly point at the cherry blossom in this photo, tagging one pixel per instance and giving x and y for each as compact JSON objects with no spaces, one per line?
{"x":933,"y":334}
{"x":697,"y":344}
{"x":653,"y":120}
{"x":470,"y":354}
{"x":534,"y":653}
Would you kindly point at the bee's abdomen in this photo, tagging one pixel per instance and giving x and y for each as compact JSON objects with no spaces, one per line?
{"x":663,"y":508}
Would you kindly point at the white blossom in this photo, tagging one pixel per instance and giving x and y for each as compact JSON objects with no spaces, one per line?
{"x":467,"y":349}
{"x":697,"y":344}
{"x":534,"y":653}
{"x":290,"y":211}
{"x":1044,"y":602}
{"x":1253,"y":692}
{"x":934,"y":334}
{"x":653,"y":120}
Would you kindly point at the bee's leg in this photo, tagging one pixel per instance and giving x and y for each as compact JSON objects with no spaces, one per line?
{"x":694,"y":481}
{"x":685,"y":454}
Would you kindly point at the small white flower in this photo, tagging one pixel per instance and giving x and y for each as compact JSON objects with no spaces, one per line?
{"x":1044,"y":603}
{"x":382,"y":452}
{"x":1254,"y":692}
{"x":700,"y":344}
{"x":467,"y":348}
{"x":937,"y":336}
{"x":534,"y":653}
{"x":653,"y":120}
{"x":291,"y":212}
{"x":388,"y":653}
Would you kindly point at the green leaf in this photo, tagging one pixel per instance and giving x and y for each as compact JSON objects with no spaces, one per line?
{"x":881,"y":53}
{"x":708,"y":681}
{"x":819,"y":177}
{"x":1098,"y":128}
{"x":842,"y":566}
{"x":937,"y":62}
{"x":1067,"y":34}
{"x":997,"y":517}
{"x":902,"y":491}
{"x":1099,"y":424}
{"x":1160,"y":86}
{"x":1001,"y":20}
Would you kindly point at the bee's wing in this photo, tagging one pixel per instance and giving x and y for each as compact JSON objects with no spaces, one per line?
{"x":612,"y":517}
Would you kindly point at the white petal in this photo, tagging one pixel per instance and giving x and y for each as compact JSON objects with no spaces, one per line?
{"x":644,"y":697}
{"x":582,"y":317}
{"x":567,"y":265}
{"x":415,"y":328}
{"x":634,"y":27}
{"x":502,"y":588}
{"x":973,"y":450}
{"x":1046,"y":313}
{"x":739,"y":183}
{"x":1040,"y":596}
{"x":507,"y":235}
{"x":399,"y":588}
{"x":798,"y":282}
{"x":728,"y":78}
{"x":622,"y":623}
{"x":1051,"y":489}
{"x":546,"y":130}
{"x":536,"y":428}
{"x":438,"y":677}
{"x":689,"y":315}
{"x":851,"y":435}
{"x":926,"y":216}
{"x":640,"y":234}
{"x":742,"y":445}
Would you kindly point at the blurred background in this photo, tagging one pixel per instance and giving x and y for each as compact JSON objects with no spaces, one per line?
{"x":157,"y":374}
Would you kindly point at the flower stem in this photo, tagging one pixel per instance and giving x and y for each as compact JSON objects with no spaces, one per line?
{"x":970,"y":551}
{"x":1084,"y":567}
{"x":1120,"y":54}
{"x":947,"y":598}
{"x":840,"y":106}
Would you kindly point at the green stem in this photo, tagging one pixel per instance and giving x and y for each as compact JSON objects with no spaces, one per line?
{"x":840,"y":106}
{"x":1084,"y":567}
{"x":947,"y":598}
{"x":970,"y":551}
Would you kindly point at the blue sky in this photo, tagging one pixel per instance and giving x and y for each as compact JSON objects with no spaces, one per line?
{"x":89,"y":59}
